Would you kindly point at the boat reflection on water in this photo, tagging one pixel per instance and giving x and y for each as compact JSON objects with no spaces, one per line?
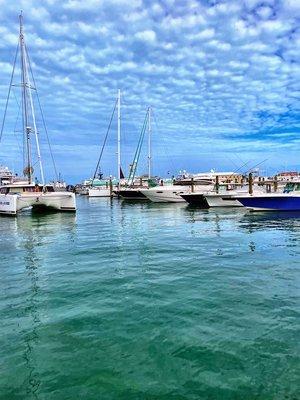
{"x":31,"y":312}
{"x":277,"y":220}
{"x":31,"y":236}
{"x":274,"y":215}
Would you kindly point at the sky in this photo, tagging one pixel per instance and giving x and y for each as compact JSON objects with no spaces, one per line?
{"x":222,"y":78}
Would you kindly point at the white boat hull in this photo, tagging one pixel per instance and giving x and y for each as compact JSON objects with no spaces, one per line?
{"x":172,"y":193}
{"x":99,"y":192}
{"x":165,"y":194}
{"x":11,"y":204}
{"x":221,"y":200}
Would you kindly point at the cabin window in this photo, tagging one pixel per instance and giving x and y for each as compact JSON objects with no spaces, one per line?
{"x":289,"y":187}
{"x":4,"y":190}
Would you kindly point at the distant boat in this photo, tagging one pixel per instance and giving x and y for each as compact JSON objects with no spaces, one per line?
{"x":100,"y":187}
{"x":171,"y":192}
{"x":6,"y":176}
{"x":17,"y":195}
{"x":189,"y":188}
{"x":288,"y":200}
{"x":165,"y":192}
{"x":179,"y":191}
{"x":134,"y":185}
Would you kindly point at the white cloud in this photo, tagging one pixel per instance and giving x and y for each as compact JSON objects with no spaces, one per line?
{"x":228,"y":70}
{"x":148,"y":36}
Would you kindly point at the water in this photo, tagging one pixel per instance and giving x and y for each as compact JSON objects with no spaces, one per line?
{"x":145,"y":301}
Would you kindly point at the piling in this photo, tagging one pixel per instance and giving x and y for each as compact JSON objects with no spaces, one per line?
{"x":110,"y":187}
{"x":217,"y":184}
{"x":250,"y":183}
{"x":192,"y":185}
{"x":275,"y":183}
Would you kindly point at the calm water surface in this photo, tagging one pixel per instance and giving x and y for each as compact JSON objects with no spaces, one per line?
{"x":145,"y":301}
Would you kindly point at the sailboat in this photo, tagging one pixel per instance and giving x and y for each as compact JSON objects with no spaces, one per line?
{"x":104,"y":187}
{"x":20,"y":194}
{"x":132,"y":191}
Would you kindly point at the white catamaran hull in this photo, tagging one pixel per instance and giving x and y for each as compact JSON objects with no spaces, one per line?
{"x":12,"y":203}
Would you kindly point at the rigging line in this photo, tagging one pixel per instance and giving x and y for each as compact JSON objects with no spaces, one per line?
{"x":9,"y":90}
{"x":42,"y":115}
{"x":242,"y":166}
{"x":23,"y":127}
{"x":238,"y":169}
{"x":232,"y":162}
{"x":135,"y":155}
{"x":16,"y":123}
{"x":132,"y":167}
{"x":239,"y":157}
{"x":256,"y":165}
{"x":17,"y":101}
{"x":105,"y":140}
{"x":139,"y":147}
{"x":164,"y":149}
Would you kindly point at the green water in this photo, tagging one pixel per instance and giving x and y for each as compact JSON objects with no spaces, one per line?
{"x":145,"y":301}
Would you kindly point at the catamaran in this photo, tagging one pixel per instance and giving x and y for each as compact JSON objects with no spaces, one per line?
{"x":17,"y":194}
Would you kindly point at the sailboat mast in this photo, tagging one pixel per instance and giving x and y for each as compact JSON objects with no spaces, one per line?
{"x":27,"y":87}
{"x":26,"y":127}
{"x":34,"y":125}
{"x":119,"y":135}
{"x":149,"y":143}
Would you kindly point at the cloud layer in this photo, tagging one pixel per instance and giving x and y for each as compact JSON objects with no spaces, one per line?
{"x":221,"y":76}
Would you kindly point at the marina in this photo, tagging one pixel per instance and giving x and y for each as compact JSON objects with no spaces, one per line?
{"x":149,"y":201}
{"x":149,"y":300}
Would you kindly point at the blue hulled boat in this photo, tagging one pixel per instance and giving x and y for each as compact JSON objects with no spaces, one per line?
{"x":288,"y":200}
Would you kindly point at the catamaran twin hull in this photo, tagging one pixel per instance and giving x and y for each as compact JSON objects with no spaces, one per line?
{"x":12,"y":203}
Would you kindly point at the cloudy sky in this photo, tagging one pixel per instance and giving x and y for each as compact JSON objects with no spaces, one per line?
{"x":222,"y":78}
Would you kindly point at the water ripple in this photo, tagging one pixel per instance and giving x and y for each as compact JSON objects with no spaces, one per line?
{"x":149,"y":301}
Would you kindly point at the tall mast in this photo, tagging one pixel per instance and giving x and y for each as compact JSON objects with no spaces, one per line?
{"x":27,"y":97}
{"x":26,"y":127}
{"x":149,"y":143}
{"x":119,"y":135}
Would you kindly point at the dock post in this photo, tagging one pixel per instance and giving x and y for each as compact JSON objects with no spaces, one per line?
{"x":110,"y":188}
{"x":275,"y":183}
{"x":217,"y":184}
{"x":250,"y":183}
{"x":192,"y":185}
